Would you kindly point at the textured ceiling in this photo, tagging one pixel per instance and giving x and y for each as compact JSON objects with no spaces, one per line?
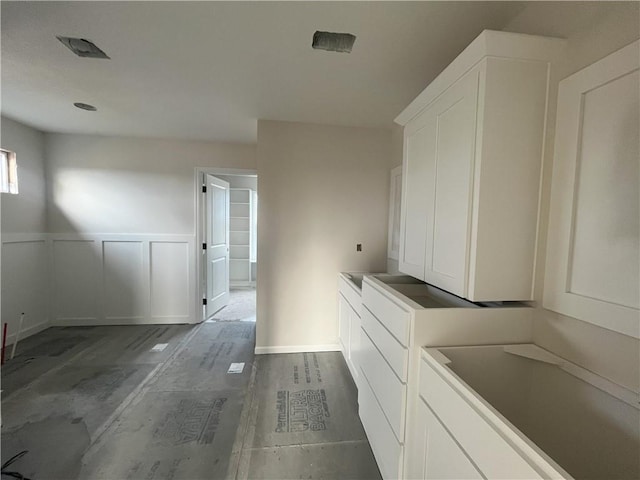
{"x":209,"y":70}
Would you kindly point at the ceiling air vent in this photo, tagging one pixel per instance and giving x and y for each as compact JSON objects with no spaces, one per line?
{"x":82,"y":47}
{"x":85,"y":106}
{"x":333,"y":42}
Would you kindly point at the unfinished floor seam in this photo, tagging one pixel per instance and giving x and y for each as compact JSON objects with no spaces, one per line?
{"x":243,"y":428}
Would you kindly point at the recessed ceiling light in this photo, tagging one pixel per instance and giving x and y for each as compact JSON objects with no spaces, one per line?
{"x":333,"y":42}
{"x":82,"y":47}
{"x":85,"y":106}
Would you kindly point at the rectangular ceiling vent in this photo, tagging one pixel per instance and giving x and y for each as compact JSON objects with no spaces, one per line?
{"x":333,"y":42}
{"x":82,"y":47}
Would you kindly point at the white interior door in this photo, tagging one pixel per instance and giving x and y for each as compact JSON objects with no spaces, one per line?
{"x":217,"y":244}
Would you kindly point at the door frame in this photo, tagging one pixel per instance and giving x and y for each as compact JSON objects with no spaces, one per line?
{"x":199,"y":222}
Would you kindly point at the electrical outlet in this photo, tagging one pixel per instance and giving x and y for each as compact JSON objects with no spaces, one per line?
{"x":358,"y":247}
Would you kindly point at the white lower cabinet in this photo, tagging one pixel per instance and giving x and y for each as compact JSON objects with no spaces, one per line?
{"x":482,"y":443}
{"x":387,"y":450}
{"x":390,"y":391}
{"x":519,"y":412}
{"x":349,"y":305}
{"x":442,"y":457}
{"x":399,"y":315}
{"x":344,"y":327}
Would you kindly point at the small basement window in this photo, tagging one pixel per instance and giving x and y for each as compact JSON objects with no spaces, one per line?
{"x":8,"y":172}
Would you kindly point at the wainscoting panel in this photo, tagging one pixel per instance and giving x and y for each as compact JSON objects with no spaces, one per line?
{"x":170,"y":280}
{"x":25,"y":286}
{"x":122,"y":279}
{"x":126,"y":291}
{"x":76,"y":280}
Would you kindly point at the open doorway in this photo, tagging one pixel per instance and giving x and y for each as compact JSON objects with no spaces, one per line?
{"x":239,"y":228}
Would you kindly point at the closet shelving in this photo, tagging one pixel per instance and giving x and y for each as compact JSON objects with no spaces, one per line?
{"x":241,"y":236}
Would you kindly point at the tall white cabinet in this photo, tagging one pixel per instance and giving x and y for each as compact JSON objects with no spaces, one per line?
{"x":473,"y":146}
{"x":241,"y":236}
{"x":594,"y":229}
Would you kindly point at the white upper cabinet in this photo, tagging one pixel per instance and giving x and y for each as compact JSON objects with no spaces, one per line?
{"x":473,"y":147}
{"x":450,"y":161}
{"x":593,"y":244}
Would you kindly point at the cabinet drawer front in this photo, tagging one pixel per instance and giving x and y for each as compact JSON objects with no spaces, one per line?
{"x":490,"y":452}
{"x":395,"y":354}
{"x":351,"y":294}
{"x":386,"y":387}
{"x":391,"y":315}
{"x":386,"y":449}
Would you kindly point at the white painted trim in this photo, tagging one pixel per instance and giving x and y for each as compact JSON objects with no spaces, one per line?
{"x":31,"y":237}
{"x":488,"y":44}
{"x":335,"y":347}
{"x":24,"y":237}
{"x":198,"y":221}
{"x":93,"y":322}
{"x":246,"y":172}
{"x":27,"y":332}
{"x":121,"y":237}
{"x":97,"y":240}
{"x":145,"y":316}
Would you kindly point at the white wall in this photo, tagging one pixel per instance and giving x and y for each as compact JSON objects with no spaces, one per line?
{"x":103,"y":184}
{"x":24,"y":266}
{"x":121,"y":217}
{"x":25,"y":212}
{"x":593,"y":30}
{"x":323,"y":189}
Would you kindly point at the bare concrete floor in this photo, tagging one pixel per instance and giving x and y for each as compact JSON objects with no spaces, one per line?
{"x":97,"y":403}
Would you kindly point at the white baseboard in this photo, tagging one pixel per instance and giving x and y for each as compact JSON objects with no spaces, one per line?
{"x":27,"y":332}
{"x":297,"y":349}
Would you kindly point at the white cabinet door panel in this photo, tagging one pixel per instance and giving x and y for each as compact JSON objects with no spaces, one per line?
{"x":594,"y":243}
{"x":354,"y":344}
{"x":452,"y":162}
{"x":417,"y":185}
{"x":343,"y":325}
{"x":442,"y":458}
{"x":604,"y":261}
